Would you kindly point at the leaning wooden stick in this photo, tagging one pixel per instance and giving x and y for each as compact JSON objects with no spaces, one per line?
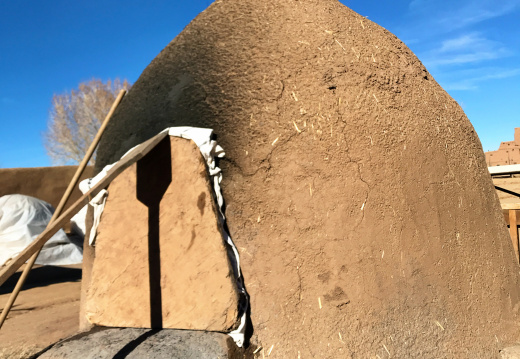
{"x":513,"y":231}
{"x":73,"y":183}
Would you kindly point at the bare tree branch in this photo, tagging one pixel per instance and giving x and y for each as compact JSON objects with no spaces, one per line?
{"x":75,"y":118}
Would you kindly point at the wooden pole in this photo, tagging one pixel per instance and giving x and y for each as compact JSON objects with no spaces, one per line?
{"x":60,"y":207}
{"x":513,"y":231}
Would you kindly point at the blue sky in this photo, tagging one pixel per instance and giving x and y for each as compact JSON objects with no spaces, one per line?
{"x":472,"y":48}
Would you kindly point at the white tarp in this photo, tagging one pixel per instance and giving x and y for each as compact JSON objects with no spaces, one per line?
{"x":22,"y":219}
{"x":209,"y":150}
{"x":504,"y":170}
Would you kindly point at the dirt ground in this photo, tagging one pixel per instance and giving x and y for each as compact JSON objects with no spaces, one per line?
{"x":46,"y":311}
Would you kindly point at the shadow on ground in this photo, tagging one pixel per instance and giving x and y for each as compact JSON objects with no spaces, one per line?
{"x":43,"y":276}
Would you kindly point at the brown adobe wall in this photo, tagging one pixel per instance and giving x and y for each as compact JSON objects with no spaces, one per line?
{"x":356,"y":188}
{"x":45,"y":183}
{"x":508,"y":152}
{"x":503,"y":157}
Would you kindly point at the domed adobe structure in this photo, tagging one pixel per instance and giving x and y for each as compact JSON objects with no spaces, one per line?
{"x":356,"y":188}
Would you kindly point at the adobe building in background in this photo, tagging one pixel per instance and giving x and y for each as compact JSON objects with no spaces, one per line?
{"x":508,"y":153}
{"x":45,"y":183}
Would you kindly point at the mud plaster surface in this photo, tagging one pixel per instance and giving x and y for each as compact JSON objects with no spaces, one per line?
{"x":351,"y":178}
{"x":196,"y":281}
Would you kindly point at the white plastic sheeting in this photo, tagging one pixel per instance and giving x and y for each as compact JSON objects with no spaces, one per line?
{"x":209,"y":150}
{"x":22,"y":219}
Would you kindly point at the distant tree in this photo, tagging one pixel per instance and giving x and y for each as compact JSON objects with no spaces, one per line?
{"x":75,"y":118}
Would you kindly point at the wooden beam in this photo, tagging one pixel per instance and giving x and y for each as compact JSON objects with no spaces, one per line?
{"x":513,"y":231}
{"x":507,"y":206}
{"x":505,"y":212}
{"x":128,"y":160}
